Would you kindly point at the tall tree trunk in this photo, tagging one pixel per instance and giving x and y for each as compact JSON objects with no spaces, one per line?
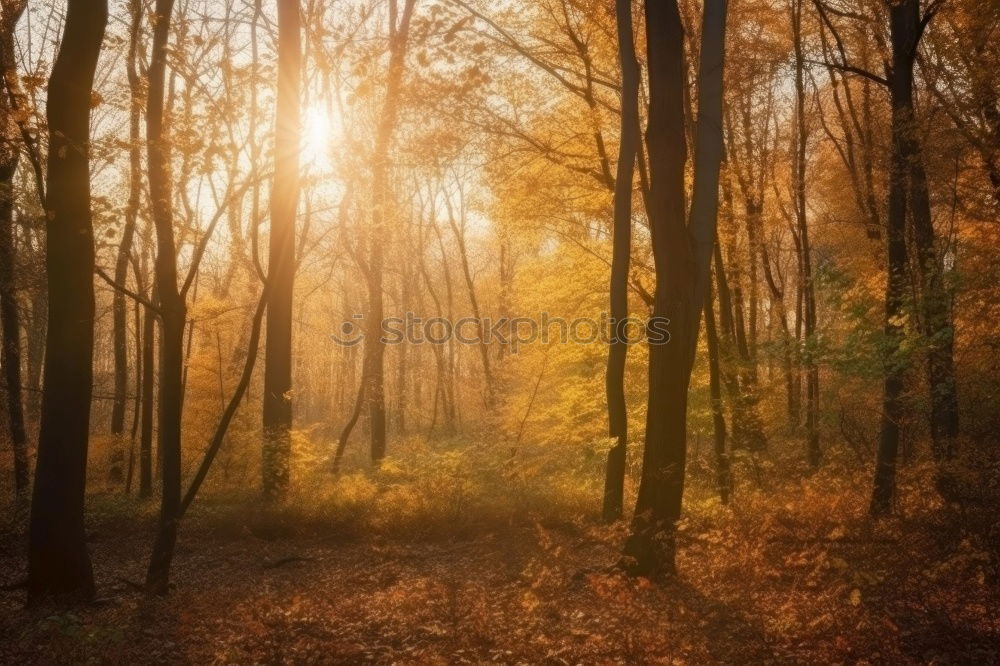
{"x":374,"y":366}
{"x":119,"y":314}
{"x":650,"y":548}
{"x":813,"y":453}
{"x":10,"y":323}
{"x":173,"y":311}
{"x":614,"y":479}
{"x":281,"y":258}
{"x":709,"y":154}
{"x":11,"y":330}
{"x":682,"y":257}
{"x":935,"y":300}
{"x":58,"y":561}
{"x":10,"y":317}
{"x":904,"y":21}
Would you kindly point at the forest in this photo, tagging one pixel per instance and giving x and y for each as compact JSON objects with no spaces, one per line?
{"x":500,"y":331}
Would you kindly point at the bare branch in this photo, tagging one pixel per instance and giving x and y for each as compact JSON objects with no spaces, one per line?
{"x":852,"y":70}
{"x":125,"y":290}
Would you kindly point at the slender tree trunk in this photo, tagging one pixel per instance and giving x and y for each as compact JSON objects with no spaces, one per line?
{"x":281,"y":258}
{"x":778,"y":315}
{"x":787,"y":368}
{"x":448,"y":389}
{"x":507,"y":281}
{"x":884,"y":489}
{"x":381,"y":194}
{"x":148,"y":379}
{"x":188,"y":340}
{"x":614,"y":479}
{"x":228,"y":412}
{"x":458,"y":229}
{"x":813,"y":453}
{"x":10,"y":323}
{"x":799,"y":319}
{"x":119,"y":313}
{"x":10,"y":316}
{"x":935,"y":301}
{"x":402,"y":366}
{"x":709,"y":154}
{"x":231,"y":407}
{"x":58,"y":562}
{"x":937,"y":321}
{"x":37,"y":333}
{"x":904,"y":18}
{"x":137,"y":395}
{"x":171,"y":363}
{"x":173,"y":311}
{"x":722,"y":468}
{"x":748,"y":430}
{"x":348,"y":428}
{"x":440,"y":361}
{"x":739,"y":311}
{"x":754,"y":224}
{"x":373,"y":365}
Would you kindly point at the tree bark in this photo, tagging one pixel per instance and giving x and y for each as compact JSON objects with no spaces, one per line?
{"x":173,"y":311}
{"x":10,"y":317}
{"x":281,"y":258}
{"x":136,"y":395}
{"x":37,"y":332}
{"x":904,"y":22}
{"x":148,"y":380}
{"x":813,"y":453}
{"x":723,"y":474}
{"x":345,"y":433}
{"x":935,"y":300}
{"x":650,"y":549}
{"x":748,"y":430}
{"x":614,"y":479}
{"x":709,"y":152}
{"x":374,"y":366}
{"x":10,"y":323}
{"x":58,"y":561}
{"x":119,"y":314}
{"x":682,"y":258}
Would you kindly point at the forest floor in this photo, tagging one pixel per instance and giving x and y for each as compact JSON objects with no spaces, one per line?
{"x":793,"y":576}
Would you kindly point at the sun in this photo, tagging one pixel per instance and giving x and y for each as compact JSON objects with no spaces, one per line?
{"x":316,"y":137}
